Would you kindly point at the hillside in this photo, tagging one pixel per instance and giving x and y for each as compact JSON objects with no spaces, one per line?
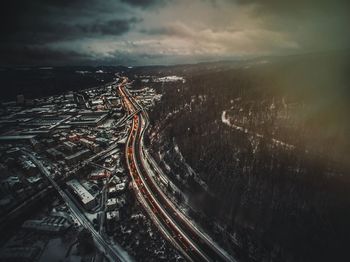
{"x":261,"y":148}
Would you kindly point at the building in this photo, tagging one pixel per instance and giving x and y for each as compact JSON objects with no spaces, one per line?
{"x":91,"y":137}
{"x":89,"y":118}
{"x":91,"y":145}
{"x":109,"y":161}
{"x":111,"y":204}
{"x":102,"y":141}
{"x":101,"y":175}
{"x":85,"y":142}
{"x":34,"y":180}
{"x":73,"y":138}
{"x":75,"y":158}
{"x":113,"y":101}
{"x":84,"y":196}
{"x":116,"y":190}
{"x":115,"y":203}
{"x":54,"y":153}
{"x":112,"y":192}
{"x":112,"y":218}
{"x":120,"y":187}
{"x":69,"y":145}
{"x":69,"y":97}
{"x":28,"y":166}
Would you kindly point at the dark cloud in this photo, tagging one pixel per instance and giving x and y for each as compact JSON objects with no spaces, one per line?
{"x":158,"y":31}
{"x":174,"y":30}
{"x":16,"y":14}
{"x":167,"y":30}
{"x":296,"y":6}
{"x":315,"y":25}
{"x":38,"y":18}
{"x":36,"y":32}
{"x":110,"y":27}
{"x":39,"y":55}
{"x":144,"y":3}
{"x":28,"y":28}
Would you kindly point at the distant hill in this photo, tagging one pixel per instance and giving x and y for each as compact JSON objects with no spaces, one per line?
{"x":35,"y":82}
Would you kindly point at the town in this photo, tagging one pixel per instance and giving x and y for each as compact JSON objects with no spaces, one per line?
{"x":73,"y":144}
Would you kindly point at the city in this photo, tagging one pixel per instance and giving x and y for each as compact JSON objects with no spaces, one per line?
{"x":173,"y":131}
{"x":73,"y":145}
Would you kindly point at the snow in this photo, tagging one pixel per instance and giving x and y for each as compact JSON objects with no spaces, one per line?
{"x":90,"y":216}
{"x":170,"y":79}
{"x":226,"y":120}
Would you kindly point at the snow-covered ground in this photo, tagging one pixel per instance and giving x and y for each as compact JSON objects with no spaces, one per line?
{"x":170,"y":79}
{"x":226,"y":120}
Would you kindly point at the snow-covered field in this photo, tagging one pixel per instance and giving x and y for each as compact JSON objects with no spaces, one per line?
{"x":225,"y":119}
{"x":170,"y":79}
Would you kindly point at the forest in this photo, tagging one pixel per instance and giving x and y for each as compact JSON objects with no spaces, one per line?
{"x":267,"y":144}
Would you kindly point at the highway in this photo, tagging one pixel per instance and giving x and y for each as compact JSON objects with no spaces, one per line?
{"x":181,"y":232}
{"x":113,"y":253}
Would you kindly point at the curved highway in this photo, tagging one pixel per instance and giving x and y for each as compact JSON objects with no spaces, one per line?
{"x":176,"y":227}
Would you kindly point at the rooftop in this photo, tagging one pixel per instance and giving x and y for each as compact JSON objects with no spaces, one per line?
{"x":81,"y":191}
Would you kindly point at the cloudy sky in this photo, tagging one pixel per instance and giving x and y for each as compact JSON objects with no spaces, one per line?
{"x":136,"y":32}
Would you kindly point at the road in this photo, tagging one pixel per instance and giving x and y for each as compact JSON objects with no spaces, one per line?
{"x":190,"y":241}
{"x":94,"y":157}
{"x":112,"y":252}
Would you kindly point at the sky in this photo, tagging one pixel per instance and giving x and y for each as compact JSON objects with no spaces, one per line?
{"x":149,"y":32}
